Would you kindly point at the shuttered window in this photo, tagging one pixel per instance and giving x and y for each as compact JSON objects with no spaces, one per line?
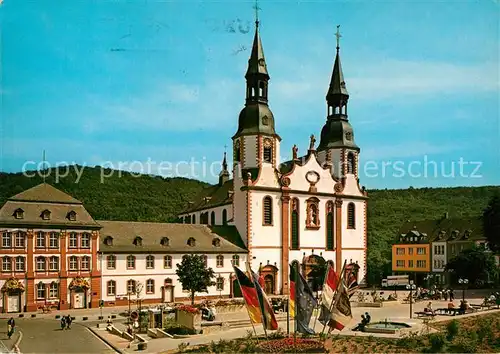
{"x":268,"y":211}
{"x":329,"y":231}
{"x":295,"y":230}
{"x":351,"y":217}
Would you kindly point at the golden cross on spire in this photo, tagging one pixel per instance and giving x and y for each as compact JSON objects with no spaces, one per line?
{"x":338,"y":35}
{"x":257,"y":8}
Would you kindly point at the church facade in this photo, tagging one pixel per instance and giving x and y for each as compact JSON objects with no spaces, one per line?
{"x":307,"y":209}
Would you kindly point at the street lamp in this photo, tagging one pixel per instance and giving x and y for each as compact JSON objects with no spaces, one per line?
{"x":411,"y":287}
{"x":463,"y":282}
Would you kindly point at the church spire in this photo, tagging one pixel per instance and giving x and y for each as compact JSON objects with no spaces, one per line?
{"x":224,"y":174}
{"x":337,"y":95}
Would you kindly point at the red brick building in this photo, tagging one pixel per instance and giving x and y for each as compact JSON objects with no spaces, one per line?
{"x":48,"y":252}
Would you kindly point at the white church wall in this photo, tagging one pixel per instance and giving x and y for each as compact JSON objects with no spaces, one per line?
{"x":298,"y":179}
{"x":265,"y":235}
{"x":351,"y":186}
{"x":240,"y":209}
{"x":353,"y":238}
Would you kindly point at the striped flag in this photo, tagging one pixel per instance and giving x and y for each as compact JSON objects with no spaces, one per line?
{"x":341,"y":311}
{"x":352,"y":283}
{"x":327,"y":294}
{"x":250,"y":295}
{"x":268,"y":318}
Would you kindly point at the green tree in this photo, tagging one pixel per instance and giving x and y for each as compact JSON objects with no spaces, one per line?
{"x":475,"y":264}
{"x":491,"y":223}
{"x":194,"y":275}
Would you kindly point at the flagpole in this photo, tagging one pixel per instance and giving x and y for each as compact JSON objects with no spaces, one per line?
{"x":248,"y":312}
{"x":341,"y":279}
{"x":264,"y":320}
{"x":296,"y":280}
{"x":318,"y":307}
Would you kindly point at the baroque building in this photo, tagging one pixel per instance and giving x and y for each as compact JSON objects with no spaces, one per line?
{"x":309,"y":208}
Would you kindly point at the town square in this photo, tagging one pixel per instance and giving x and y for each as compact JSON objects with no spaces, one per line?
{"x":249,"y":177}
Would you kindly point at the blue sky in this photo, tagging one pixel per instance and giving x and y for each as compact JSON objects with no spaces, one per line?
{"x":103,"y":82}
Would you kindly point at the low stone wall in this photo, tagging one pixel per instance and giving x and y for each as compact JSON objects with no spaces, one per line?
{"x":230,"y":309}
{"x":189,"y":320}
{"x":367,"y":304}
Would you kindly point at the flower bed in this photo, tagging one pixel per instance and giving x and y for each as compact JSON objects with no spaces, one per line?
{"x":291,"y":345}
{"x":188,"y":309}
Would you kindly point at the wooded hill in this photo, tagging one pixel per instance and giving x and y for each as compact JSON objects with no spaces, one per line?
{"x":124,"y":196}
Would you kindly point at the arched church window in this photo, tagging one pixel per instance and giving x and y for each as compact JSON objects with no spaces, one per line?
{"x":268,"y":150}
{"x":268,"y":211}
{"x":224,"y":217}
{"x":312,"y":219}
{"x":351,"y":216}
{"x":193,"y":221}
{"x":212,"y":218}
{"x":351,"y":160}
{"x":262,"y":88}
{"x":329,"y":226}
{"x":237,"y":151}
{"x":295,"y":224}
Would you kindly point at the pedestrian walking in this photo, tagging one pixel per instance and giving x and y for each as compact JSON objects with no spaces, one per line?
{"x":68,"y":322}
{"x":452,"y":295}
{"x":63,"y":323}
{"x":11,"y":325}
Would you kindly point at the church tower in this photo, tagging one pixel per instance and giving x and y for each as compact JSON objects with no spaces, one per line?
{"x":337,"y":135}
{"x":256,"y":144}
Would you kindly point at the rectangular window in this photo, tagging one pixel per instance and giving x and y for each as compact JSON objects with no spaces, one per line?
{"x":150,"y":286}
{"x":421,"y":250}
{"x":111,"y":262}
{"x":400,"y":251}
{"x":73,"y":240}
{"x":73,"y":263}
{"x":220,"y":284}
{"x":421,"y":264}
{"x":54,"y":264}
{"x":85,"y":241}
{"x":54,"y":240}
{"x":40,"y":240}
{"x":167,"y":262}
{"x":40,"y":291}
{"x":410,"y":263}
{"x":20,"y":240}
{"x":7,"y":240}
{"x":40,"y":264}
{"x":111,"y":288}
{"x":6,"y":264}
{"x":400,"y":263}
{"x":53,"y":290}
{"x":20,"y":264}
{"x":410,"y":251}
{"x":85,"y":263}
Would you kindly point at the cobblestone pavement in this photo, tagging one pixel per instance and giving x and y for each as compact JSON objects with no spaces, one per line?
{"x":46,"y":336}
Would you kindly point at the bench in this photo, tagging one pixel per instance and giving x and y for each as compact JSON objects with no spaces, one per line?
{"x":425,"y":314}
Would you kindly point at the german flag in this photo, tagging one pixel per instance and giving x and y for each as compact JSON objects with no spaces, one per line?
{"x":268,"y":318}
{"x":249,"y":293}
{"x":291,"y":304}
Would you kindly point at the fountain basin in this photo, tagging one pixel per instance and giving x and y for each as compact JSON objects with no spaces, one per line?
{"x":386,"y":327}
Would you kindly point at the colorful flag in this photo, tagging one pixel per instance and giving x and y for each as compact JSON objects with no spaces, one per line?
{"x":327,"y":294}
{"x":291,"y":302}
{"x":341,"y":311}
{"x":352,"y":283}
{"x":249,"y":293}
{"x":304,"y":302}
{"x":268,"y":318}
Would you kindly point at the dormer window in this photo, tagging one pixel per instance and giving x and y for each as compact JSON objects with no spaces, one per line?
{"x":19,"y":213}
{"x":454,"y":234}
{"x":165,"y":241}
{"x":71,"y":215}
{"x":46,"y":214}
{"x":216,"y":242}
{"x":138,"y":241}
{"x":191,"y":242}
{"x":108,"y":241}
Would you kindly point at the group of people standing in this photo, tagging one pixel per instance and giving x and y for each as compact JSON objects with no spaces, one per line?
{"x":66,"y":322}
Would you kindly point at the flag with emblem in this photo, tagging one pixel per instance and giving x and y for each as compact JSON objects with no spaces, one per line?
{"x":250,"y":295}
{"x":327,"y":294}
{"x":341,"y":312}
{"x":352,"y":282}
{"x":268,"y":318}
{"x":304,"y":302}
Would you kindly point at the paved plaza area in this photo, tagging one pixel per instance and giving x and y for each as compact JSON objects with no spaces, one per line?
{"x":46,"y":336}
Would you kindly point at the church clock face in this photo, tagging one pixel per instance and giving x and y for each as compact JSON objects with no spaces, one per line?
{"x":265,"y":120}
{"x":348,"y":136}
